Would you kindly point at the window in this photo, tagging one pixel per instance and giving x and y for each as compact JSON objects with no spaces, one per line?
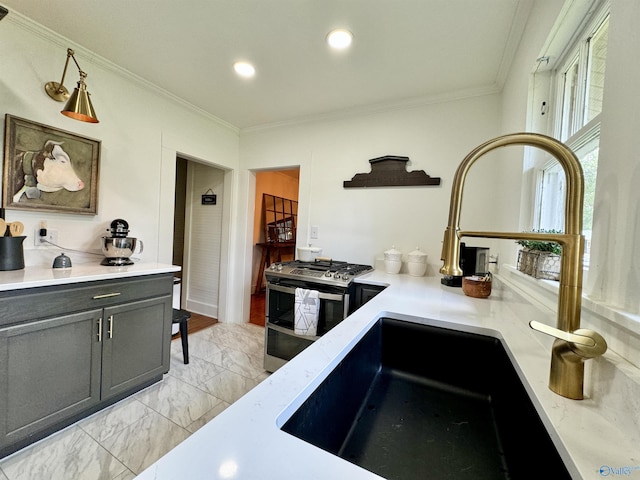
{"x":596,"y":67}
{"x":580,"y":83}
{"x":569,"y":86}
{"x":551,"y":205}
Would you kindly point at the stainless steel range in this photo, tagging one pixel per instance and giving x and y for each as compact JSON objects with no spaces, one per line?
{"x":325,"y":272}
{"x":333,"y":282}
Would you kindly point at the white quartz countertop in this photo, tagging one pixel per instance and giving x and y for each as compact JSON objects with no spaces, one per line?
{"x":42,"y":276}
{"x":245,"y":442}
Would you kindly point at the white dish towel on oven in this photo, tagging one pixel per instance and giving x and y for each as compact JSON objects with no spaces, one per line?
{"x":306,"y":312}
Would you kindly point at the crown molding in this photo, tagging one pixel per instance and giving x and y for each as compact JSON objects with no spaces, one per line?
{"x":404,"y":104}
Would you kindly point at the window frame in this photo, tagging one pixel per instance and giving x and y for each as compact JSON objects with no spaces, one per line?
{"x":578,"y":51}
{"x":573,"y":130}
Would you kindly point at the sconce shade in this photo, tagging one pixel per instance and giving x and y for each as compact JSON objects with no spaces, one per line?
{"x":79,"y":106}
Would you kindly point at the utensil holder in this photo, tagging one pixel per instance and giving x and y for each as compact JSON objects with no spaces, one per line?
{"x":11,"y":253}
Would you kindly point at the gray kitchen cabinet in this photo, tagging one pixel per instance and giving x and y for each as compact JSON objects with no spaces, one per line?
{"x":365,"y":292}
{"x":133,"y":345}
{"x":50,"y":371}
{"x":59,"y":366}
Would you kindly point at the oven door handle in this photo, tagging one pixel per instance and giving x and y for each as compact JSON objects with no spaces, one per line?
{"x":336,"y":297}
{"x":290,"y":332}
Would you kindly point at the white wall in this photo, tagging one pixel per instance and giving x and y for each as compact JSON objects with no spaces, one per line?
{"x":614,"y":274}
{"x":358,"y":224}
{"x":141,"y":129}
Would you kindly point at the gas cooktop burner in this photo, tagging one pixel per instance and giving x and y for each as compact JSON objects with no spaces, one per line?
{"x":325,"y":271}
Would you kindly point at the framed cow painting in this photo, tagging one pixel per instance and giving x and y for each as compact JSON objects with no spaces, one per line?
{"x":46,"y":168}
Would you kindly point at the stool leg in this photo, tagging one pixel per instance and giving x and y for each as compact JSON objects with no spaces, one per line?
{"x":185,"y":343}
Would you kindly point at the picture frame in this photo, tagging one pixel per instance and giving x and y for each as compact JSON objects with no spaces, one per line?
{"x":46,"y":168}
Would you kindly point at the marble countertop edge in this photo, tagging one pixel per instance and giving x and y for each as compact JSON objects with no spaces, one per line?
{"x":41,"y":276}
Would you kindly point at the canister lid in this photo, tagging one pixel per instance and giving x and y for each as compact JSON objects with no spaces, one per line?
{"x":392,"y":254}
{"x":62,"y":261}
{"x":417,"y":255}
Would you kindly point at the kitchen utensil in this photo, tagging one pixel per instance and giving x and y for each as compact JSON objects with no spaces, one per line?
{"x":15,"y":228}
{"x":308,"y":254}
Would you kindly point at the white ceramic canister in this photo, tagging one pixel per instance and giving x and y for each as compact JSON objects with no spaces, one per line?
{"x":392,"y":260}
{"x":308,"y":254}
{"x":417,"y":263}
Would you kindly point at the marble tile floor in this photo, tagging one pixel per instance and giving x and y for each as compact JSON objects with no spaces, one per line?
{"x":119,"y":442}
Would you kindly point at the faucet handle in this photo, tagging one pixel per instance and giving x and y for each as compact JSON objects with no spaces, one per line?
{"x":589,"y":343}
{"x":562,"y":335}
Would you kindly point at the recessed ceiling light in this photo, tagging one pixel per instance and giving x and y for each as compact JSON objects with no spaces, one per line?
{"x":339,"y":38}
{"x":244,"y":69}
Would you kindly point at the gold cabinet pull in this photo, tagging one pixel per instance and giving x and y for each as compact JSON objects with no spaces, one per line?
{"x":99,"y":329}
{"x":110,"y":331}
{"x":106,"y":295}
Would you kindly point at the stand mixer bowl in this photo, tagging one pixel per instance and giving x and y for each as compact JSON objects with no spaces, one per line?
{"x":118,"y":250}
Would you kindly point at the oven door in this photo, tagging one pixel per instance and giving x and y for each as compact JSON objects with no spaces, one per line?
{"x":281,"y":343}
{"x":281,"y":301}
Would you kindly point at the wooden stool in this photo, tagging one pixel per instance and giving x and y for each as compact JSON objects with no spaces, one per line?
{"x":181,"y":317}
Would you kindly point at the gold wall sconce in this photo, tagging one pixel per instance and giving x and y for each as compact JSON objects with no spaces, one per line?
{"x":78,"y":105}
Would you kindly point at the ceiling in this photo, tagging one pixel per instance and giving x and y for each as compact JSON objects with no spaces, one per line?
{"x":404,"y":52}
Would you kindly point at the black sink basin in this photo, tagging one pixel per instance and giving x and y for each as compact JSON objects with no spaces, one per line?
{"x":419,"y":402}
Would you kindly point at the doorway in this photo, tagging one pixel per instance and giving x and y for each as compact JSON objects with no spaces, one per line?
{"x":280,"y":183}
{"x":197,"y":235}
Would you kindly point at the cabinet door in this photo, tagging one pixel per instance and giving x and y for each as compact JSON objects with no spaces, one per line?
{"x":49,"y":371}
{"x":365,"y":292}
{"x":136,"y":344}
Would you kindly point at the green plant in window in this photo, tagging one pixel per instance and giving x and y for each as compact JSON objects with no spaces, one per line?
{"x":540,"y":245}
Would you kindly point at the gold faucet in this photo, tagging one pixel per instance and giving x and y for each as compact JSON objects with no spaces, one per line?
{"x":572,"y":345}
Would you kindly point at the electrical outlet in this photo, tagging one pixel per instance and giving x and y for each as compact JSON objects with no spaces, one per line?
{"x":50,"y":237}
{"x":314,"y":232}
